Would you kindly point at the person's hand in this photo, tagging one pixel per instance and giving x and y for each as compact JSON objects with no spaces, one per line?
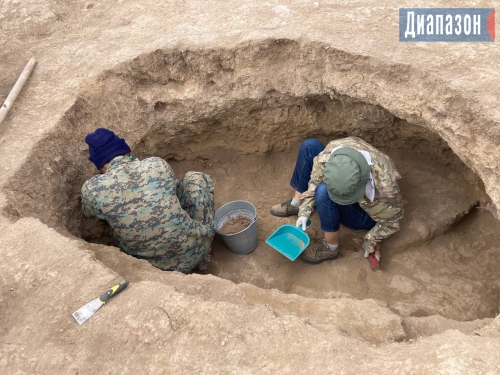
{"x":302,"y":222}
{"x":377,"y":254}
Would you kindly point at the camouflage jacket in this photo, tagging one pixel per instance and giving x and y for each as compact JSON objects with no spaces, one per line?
{"x":140,"y":202}
{"x":387,"y":206}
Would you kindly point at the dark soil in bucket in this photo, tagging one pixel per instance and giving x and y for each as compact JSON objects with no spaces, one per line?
{"x":235,"y":225}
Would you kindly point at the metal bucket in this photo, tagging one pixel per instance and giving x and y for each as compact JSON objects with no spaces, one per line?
{"x":242,"y":242}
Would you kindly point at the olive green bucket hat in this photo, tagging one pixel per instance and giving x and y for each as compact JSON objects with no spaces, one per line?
{"x":346,"y":175}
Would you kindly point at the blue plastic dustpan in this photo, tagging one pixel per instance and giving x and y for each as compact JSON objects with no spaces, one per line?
{"x":289,"y":241}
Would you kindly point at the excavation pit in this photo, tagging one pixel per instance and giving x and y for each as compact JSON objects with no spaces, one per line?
{"x":240,"y":115}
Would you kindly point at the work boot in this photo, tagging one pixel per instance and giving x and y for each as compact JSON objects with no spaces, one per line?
{"x":284,"y":209}
{"x":318,"y":253}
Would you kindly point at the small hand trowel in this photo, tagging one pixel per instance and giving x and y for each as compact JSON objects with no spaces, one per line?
{"x":85,"y":312}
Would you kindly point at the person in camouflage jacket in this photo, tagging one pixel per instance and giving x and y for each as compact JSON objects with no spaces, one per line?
{"x":356,"y":185}
{"x":152,"y":214}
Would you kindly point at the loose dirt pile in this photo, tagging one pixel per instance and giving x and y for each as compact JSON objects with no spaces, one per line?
{"x":235,"y":225}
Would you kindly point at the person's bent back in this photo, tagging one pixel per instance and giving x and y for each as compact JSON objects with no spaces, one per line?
{"x":153,"y":215}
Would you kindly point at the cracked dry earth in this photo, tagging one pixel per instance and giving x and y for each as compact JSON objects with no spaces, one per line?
{"x":234,"y":98}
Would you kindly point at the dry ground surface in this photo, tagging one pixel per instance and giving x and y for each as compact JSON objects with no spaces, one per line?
{"x":231,"y":88}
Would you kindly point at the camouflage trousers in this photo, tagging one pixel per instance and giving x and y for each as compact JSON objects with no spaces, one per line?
{"x":196,"y":197}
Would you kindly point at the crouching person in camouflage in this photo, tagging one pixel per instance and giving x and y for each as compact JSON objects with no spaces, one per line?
{"x":351,"y":183}
{"x":153,"y":215}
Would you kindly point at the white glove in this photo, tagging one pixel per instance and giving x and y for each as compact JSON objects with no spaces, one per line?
{"x":377,"y":254}
{"x":302,"y":222}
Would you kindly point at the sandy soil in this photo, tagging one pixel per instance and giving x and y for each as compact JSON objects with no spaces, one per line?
{"x":169,"y":76}
{"x":235,"y":225}
{"x":435,"y":249}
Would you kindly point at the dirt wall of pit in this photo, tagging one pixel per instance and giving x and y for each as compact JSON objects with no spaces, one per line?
{"x":256,"y":98}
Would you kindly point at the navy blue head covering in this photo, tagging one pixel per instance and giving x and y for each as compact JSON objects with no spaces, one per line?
{"x":104,"y":145}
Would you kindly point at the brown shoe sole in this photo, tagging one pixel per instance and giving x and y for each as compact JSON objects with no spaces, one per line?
{"x":320,"y":260}
{"x":284,"y":214}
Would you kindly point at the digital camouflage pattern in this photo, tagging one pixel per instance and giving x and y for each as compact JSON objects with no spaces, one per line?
{"x":387,"y":206}
{"x":153,"y":215}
